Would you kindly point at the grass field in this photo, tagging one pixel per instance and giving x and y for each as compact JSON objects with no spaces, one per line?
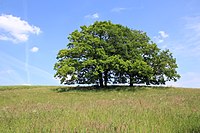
{"x":119,"y":109}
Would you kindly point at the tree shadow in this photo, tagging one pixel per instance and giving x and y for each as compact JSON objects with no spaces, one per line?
{"x":107,"y":89}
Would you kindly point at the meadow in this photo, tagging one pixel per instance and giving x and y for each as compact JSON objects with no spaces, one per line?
{"x":113,"y":110}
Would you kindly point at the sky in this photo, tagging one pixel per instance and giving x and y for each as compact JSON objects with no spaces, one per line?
{"x":33,"y":31}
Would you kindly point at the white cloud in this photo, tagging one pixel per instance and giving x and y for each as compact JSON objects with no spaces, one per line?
{"x":161,"y":37}
{"x":120,"y":9}
{"x":96,"y":15}
{"x":16,"y":30}
{"x":163,"y":34}
{"x":159,"y":40}
{"x":92,"y":16}
{"x":34,"y":49}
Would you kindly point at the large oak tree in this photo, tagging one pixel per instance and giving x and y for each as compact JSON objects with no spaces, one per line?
{"x":105,"y":53}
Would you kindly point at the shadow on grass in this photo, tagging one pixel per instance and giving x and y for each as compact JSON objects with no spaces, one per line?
{"x":108,"y":88}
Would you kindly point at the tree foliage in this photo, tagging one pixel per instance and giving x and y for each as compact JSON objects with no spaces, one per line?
{"x":105,"y":53}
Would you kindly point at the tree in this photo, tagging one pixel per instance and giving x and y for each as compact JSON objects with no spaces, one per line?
{"x":89,"y":55}
{"x":105,"y":53}
{"x":164,"y":68}
{"x":133,"y":55}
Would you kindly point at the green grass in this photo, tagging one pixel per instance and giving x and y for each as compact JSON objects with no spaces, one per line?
{"x":116,"y":109}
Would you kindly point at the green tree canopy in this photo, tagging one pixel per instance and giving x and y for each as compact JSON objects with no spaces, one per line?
{"x":105,"y":53}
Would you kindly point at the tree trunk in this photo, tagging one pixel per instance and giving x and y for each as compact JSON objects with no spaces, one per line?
{"x":131,"y":81}
{"x":105,"y":78}
{"x":100,"y":79}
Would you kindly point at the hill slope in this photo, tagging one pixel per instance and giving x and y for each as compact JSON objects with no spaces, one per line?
{"x":137,"y":109}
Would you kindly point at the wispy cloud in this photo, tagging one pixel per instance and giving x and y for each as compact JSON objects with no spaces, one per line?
{"x":188,"y":79}
{"x":10,"y":76}
{"x":92,"y":16}
{"x":119,"y":9}
{"x":188,"y":42}
{"x":13,"y":72}
{"x":193,"y":23}
{"x":162,"y":35}
{"x":186,"y":47}
{"x":15,"y":29}
{"x":192,"y":28}
{"x":34,"y":49}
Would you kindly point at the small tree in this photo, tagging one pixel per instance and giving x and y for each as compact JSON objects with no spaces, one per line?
{"x":105,"y":53}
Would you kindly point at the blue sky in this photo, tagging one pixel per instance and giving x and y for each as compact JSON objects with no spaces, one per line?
{"x":33,"y":31}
